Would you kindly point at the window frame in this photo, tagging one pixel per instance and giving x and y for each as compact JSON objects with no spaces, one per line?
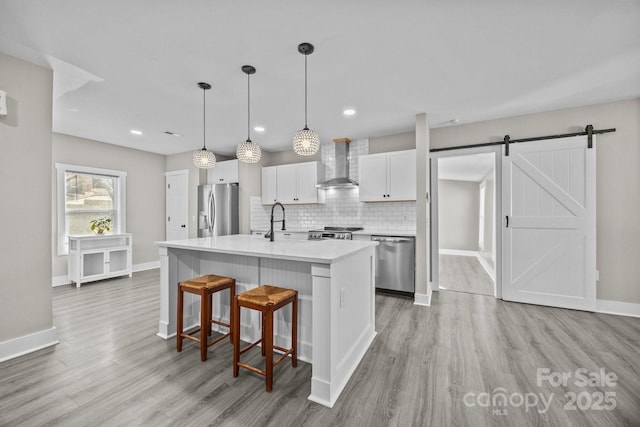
{"x":119,"y":199}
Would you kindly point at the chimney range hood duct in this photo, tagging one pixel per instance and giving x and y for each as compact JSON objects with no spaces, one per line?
{"x":341,"y":147}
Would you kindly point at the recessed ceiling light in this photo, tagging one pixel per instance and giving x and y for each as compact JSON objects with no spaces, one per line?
{"x":73,"y":110}
{"x":136,"y":132}
{"x":172,"y":133}
{"x":259,"y":129}
{"x":349,"y":112}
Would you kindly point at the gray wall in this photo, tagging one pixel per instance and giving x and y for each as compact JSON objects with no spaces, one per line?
{"x":25,"y":188}
{"x":617,"y":182}
{"x":250,"y":177}
{"x":486,"y":252}
{"x":287,"y":157}
{"x":458,"y":204}
{"x":397,"y":142}
{"x":145,"y":191}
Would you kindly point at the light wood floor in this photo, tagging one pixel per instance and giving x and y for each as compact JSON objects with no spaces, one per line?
{"x":463,"y":274}
{"x":111,"y":369}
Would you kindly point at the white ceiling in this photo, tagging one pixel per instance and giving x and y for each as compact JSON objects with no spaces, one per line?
{"x":471,"y":167}
{"x":121,"y":65}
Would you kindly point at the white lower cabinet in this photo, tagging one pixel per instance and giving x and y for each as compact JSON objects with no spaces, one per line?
{"x":99,"y":257}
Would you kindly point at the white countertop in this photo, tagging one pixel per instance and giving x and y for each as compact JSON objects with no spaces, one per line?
{"x":318,"y":251}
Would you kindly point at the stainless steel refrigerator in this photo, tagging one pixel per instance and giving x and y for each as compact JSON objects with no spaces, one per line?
{"x":218,"y":210}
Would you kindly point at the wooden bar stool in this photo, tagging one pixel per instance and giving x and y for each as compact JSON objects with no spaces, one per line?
{"x":205,"y":286}
{"x":265,"y":299}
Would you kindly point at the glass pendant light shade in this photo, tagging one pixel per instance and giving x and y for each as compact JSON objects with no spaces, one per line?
{"x":248,"y":151}
{"x":306,"y":142}
{"x":204,"y":159}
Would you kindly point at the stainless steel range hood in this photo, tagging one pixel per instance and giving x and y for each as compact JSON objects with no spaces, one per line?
{"x":341,"y":156}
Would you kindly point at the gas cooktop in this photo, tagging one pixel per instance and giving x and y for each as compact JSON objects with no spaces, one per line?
{"x":333,"y":233}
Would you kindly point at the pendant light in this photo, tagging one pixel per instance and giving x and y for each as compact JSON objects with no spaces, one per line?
{"x":203,"y":158}
{"x":306,"y":142}
{"x":248,"y":151}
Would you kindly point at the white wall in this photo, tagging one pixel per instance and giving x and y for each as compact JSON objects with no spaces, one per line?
{"x":145,"y":191}
{"x":25,"y":189}
{"x":458,"y":214}
{"x":617,"y":182}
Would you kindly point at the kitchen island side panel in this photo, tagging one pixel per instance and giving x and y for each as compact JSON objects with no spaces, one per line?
{"x":344,"y":322}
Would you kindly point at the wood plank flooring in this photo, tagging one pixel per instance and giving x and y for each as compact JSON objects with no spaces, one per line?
{"x":464,"y":274}
{"x":111,"y":369}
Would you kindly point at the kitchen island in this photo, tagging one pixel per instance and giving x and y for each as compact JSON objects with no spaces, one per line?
{"x":335,"y":283}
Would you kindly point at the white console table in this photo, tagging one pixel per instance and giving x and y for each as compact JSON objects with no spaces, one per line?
{"x":98,"y":257}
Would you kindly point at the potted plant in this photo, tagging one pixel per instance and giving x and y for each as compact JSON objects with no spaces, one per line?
{"x":100,"y":225}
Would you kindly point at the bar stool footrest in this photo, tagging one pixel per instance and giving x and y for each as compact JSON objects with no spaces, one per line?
{"x":249,"y":347}
{"x":252,"y":369}
{"x":217,"y":340}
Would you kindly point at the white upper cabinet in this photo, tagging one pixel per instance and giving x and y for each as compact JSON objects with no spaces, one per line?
{"x":269,"y":185}
{"x":292,"y":184}
{"x":223,"y":172}
{"x":388,"y":177}
{"x":308,"y":175}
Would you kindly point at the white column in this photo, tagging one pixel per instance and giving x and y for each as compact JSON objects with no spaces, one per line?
{"x":423,"y":289}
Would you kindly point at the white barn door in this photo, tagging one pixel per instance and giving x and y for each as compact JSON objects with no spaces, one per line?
{"x":549,"y":243}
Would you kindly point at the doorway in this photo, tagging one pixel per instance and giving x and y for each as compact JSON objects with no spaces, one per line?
{"x":177,"y":205}
{"x":465,"y":248}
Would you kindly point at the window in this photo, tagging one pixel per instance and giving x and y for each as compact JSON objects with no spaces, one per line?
{"x":84,"y":194}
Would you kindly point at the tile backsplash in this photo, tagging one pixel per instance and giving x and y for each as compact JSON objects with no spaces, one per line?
{"x":342,"y":207}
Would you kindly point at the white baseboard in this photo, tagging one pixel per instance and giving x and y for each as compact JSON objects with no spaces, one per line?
{"x":60,"y":281}
{"x":64,"y":280}
{"x":490,"y":270}
{"x":617,"y":307}
{"x":146,"y":266}
{"x":28,"y":343}
{"x":423,"y":299}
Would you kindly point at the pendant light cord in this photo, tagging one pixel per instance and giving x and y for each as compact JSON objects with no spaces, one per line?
{"x":248,"y":108}
{"x":305,"y":90}
{"x":204,"y":119}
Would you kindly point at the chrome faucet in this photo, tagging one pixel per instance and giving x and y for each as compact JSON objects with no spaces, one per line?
{"x":270,"y":233}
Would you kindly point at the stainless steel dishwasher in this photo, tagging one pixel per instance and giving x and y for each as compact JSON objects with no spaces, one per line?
{"x":395,"y":264}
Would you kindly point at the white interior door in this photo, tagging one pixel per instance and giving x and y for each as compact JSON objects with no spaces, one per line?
{"x":177,"y":205}
{"x":549,"y":242}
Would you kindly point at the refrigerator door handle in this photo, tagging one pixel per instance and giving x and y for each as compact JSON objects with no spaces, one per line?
{"x":212,"y":212}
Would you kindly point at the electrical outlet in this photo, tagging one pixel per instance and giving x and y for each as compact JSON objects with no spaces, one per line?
{"x":597,"y":275}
